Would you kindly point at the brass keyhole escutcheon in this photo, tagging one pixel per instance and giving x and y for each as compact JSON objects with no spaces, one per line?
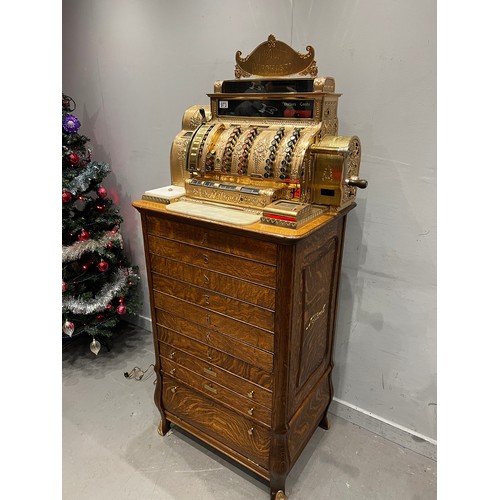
{"x":172,"y":371}
{"x":250,"y":394}
{"x":171,"y":355}
{"x":250,"y":431}
{"x":174,"y":389}
{"x":250,"y":411}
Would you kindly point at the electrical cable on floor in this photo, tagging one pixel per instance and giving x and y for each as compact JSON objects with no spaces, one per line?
{"x":138,"y":373}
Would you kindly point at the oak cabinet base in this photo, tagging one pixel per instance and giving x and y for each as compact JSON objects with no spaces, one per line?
{"x":243,"y":326}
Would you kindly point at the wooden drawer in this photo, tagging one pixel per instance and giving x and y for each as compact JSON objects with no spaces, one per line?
{"x":213,"y":322}
{"x":213,"y":301}
{"x":252,"y":393}
{"x":230,"y":360}
{"x":212,"y":260}
{"x":241,"y":434}
{"x":243,"y":290}
{"x":217,"y":392}
{"x":216,"y":240}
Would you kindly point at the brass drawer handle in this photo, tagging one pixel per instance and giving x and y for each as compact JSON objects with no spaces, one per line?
{"x":250,"y":431}
{"x":209,"y":387}
{"x":250,"y":394}
{"x":172,"y":371}
{"x":210,"y":372}
{"x":250,"y":411}
{"x":174,"y":389}
{"x":205,"y":258}
{"x":171,"y":355}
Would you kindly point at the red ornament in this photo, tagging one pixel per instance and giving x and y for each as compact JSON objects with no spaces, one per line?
{"x":84,"y":236}
{"x":121,"y":309}
{"x":66,"y":197}
{"x":73,"y":159}
{"x":101,"y":192}
{"x":102,"y":266}
{"x":100,"y":316}
{"x":64,"y":286}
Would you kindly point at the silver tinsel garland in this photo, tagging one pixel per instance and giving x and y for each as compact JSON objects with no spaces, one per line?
{"x":103,"y":298}
{"x":75,"y":251}
{"x":82,"y":182}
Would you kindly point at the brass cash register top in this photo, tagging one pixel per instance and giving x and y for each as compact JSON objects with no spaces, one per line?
{"x":275,"y":58}
{"x":270,"y":137}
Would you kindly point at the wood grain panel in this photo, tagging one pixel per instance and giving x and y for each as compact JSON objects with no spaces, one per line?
{"x":307,"y":418}
{"x":316,"y":285}
{"x":251,"y":248}
{"x":243,"y":386}
{"x":214,"y":322}
{"x":214,"y":390}
{"x":235,"y":359}
{"x":249,"y":292}
{"x":245,"y":436}
{"x":214,"y":301}
{"x":245,"y":269}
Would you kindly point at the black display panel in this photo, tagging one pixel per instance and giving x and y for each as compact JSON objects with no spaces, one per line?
{"x":268,"y":108}
{"x":268,"y":86}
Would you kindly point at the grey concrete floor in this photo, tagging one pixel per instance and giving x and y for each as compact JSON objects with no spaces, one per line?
{"x":111,"y":448}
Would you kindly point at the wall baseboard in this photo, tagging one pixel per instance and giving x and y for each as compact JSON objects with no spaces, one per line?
{"x":141,"y":321}
{"x":396,"y":433}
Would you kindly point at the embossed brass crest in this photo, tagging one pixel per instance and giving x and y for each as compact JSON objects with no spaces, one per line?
{"x":275,"y":58}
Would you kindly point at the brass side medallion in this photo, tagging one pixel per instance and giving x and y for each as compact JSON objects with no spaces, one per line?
{"x":275,"y":58}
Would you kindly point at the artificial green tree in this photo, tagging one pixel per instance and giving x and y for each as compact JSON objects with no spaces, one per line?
{"x":99,"y":286}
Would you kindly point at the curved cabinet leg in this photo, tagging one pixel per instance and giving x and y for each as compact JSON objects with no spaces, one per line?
{"x":325,"y":422}
{"x":163,"y":426}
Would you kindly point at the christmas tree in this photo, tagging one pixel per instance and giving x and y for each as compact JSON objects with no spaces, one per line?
{"x":98,"y":284}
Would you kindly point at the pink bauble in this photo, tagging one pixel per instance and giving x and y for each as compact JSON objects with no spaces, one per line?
{"x":121,"y":309}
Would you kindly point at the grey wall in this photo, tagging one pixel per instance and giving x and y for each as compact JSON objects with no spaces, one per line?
{"x":133,"y":67}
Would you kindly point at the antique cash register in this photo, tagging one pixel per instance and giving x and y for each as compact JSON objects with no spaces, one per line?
{"x":243,"y":252}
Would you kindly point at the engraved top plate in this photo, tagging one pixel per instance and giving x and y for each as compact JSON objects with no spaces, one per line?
{"x":275,"y":58}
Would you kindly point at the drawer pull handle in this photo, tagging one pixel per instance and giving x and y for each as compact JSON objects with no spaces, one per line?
{"x":174,"y":389}
{"x":208,"y":387}
{"x":250,"y":431}
{"x":207,"y":299}
{"x":210,"y":372}
{"x":205,"y":258}
{"x":172,"y":371}
{"x":250,"y":394}
{"x":171,"y":355}
{"x":208,"y":354}
{"x":206,"y":279}
{"x":250,"y":411}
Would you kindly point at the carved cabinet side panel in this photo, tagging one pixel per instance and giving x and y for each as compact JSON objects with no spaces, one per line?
{"x":315,"y":283}
{"x":316,"y":280}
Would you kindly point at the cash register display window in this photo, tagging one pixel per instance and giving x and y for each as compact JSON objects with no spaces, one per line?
{"x":268,"y":86}
{"x":267,"y":108}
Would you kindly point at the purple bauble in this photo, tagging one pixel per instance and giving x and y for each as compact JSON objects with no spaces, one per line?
{"x":71,"y":124}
